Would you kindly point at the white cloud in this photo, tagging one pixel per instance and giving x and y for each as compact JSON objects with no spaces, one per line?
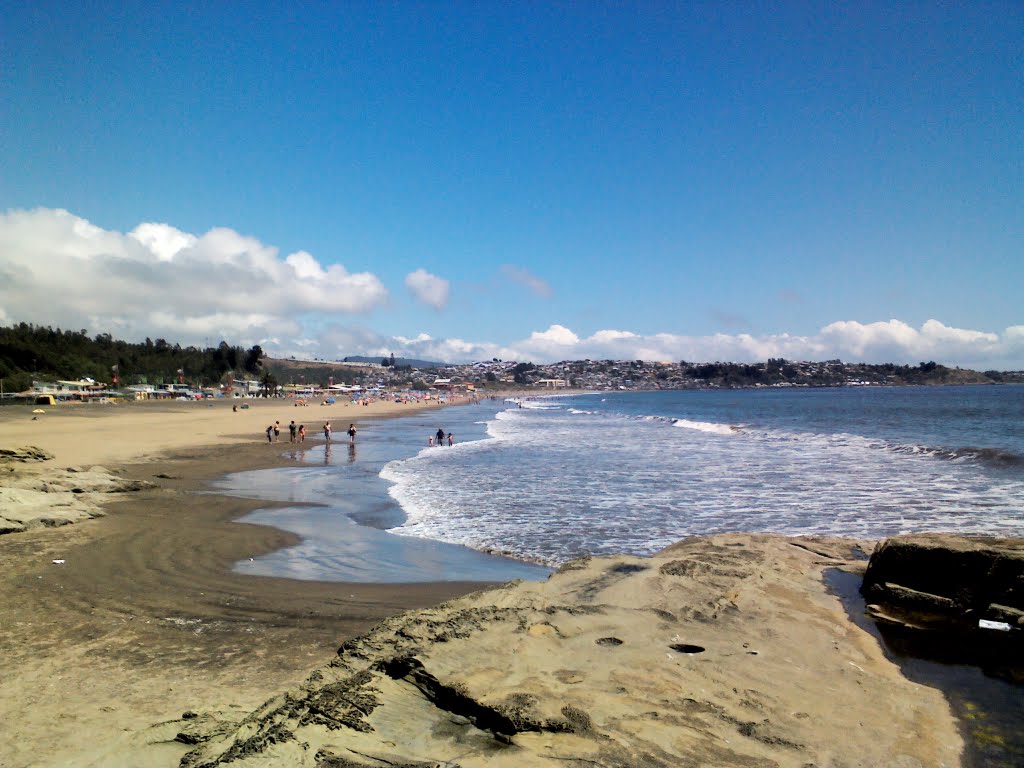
{"x":555,"y":335}
{"x":59,"y":269}
{"x":880,"y":342}
{"x":536,"y":285}
{"x":430,"y":289}
{"x":163,"y":239}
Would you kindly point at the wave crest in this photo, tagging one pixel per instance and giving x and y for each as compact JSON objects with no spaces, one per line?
{"x":705,"y":426}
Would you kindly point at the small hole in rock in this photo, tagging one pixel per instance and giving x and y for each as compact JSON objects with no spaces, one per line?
{"x":608,"y":641}
{"x":686,"y":648}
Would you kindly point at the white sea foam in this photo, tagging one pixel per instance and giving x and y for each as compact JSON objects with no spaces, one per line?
{"x":550,"y":485}
{"x":701,"y":426}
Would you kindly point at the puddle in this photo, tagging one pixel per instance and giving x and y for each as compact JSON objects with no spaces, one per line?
{"x":981,"y":674}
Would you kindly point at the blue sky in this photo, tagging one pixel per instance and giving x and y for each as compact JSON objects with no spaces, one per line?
{"x":672,"y":181}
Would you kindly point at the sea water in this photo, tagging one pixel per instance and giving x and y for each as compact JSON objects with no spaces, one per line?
{"x":548,"y":479}
{"x":633,"y":472}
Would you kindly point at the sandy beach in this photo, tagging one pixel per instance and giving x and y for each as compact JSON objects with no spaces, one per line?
{"x":145,"y":620}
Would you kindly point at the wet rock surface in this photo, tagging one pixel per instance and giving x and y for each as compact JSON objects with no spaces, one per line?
{"x":947,"y":581}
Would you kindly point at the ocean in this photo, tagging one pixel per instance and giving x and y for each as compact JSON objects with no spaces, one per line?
{"x":548,"y":479}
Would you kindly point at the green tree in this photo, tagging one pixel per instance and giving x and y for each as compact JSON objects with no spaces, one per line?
{"x":253,"y":359}
{"x":268,"y":383}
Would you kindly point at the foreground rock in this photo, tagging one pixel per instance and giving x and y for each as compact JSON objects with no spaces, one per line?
{"x":941,"y":580}
{"x":36,"y":495}
{"x":721,"y":651}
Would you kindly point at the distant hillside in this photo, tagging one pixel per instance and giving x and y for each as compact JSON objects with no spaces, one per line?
{"x":351,"y":370}
{"x":398,"y":361}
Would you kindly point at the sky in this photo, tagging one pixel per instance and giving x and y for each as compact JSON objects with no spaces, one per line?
{"x":527,"y":181}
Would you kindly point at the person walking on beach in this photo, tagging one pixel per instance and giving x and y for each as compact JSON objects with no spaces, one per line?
{"x":302,"y":433}
{"x":270,"y":433}
{"x":440,"y":437}
{"x":277,"y":429}
{"x":351,"y":433}
{"x":292,"y":431}
{"x":327,"y":431}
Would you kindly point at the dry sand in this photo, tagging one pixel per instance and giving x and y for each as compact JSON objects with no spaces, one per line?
{"x":115,"y":433}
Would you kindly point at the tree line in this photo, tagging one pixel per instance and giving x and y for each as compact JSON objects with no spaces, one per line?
{"x":32,"y":352}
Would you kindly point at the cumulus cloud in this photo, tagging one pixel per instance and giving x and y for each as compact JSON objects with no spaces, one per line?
{"x":430,"y":289}
{"x":60,"y":269}
{"x":879,"y":342}
{"x":537,"y":286}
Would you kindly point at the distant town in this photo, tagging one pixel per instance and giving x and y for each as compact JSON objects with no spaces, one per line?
{"x":606,"y":375}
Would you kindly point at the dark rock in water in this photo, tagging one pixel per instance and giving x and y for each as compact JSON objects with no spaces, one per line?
{"x":941,"y":579}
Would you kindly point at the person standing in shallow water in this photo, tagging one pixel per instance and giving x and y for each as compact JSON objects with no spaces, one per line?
{"x":292,"y":431}
{"x":327,"y":431}
{"x":451,"y":439}
{"x":440,"y":437}
{"x":351,"y":433}
{"x":302,"y":433}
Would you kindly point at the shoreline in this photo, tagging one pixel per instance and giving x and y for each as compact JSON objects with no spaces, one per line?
{"x":145,"y":618}
{"x":340,"y":505}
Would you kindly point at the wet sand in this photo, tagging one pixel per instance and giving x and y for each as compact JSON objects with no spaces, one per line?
{"x":145,"y":619}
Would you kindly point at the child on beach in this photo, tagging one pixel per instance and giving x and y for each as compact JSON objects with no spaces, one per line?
{"x":302,"y":432}
{"x":270,"y":433}
{"x":351,"y":433}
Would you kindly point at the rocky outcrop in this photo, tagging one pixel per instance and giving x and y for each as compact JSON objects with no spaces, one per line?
{"x":35,"y":495}
{"x":27,"y":454}
{"x":939,"y":580}
{"x":723,"y":651}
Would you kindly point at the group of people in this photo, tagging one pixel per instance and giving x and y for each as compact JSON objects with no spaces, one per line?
{"x":440,"y":437}
{"x":296,"y":432}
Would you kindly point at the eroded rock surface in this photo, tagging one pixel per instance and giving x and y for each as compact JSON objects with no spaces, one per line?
{"x":721,"y":651}
{"x":36,"y":495}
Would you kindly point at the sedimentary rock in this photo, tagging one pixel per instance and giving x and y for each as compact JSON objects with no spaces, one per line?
{"x":27,"y":454}
{"x":723,"y":651}
{"x":936,"y":579}
{"x":34,"y":495}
